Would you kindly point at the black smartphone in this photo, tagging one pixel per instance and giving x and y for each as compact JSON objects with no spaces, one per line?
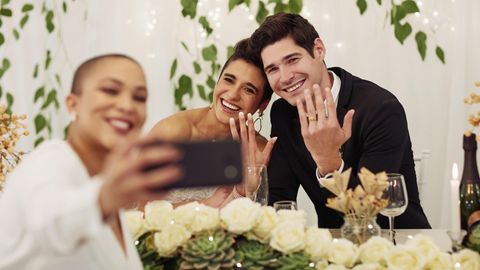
{"x":207,"y":163}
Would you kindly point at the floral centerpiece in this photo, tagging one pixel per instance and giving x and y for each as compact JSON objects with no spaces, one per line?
{"x":11,"y":129}
{"x":360,"y":205}
{"x":473,"y":119}
{"x":245,"y":235}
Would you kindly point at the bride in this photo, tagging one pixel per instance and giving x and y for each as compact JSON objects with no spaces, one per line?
{"x":241,"y":90}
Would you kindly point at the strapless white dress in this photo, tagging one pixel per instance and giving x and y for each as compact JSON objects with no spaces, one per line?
{"x":189,"y":194}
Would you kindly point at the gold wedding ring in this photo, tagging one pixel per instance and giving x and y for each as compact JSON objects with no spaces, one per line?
{"x":312,"y":117}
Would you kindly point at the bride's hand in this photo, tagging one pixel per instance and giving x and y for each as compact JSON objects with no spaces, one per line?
{"x":252,"y":154}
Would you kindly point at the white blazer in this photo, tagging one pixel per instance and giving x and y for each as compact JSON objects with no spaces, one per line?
{"x":50,"y":217}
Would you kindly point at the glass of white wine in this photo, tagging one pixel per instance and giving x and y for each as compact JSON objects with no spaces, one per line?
{"x":396,"y":194}
{"x":257,"y":184}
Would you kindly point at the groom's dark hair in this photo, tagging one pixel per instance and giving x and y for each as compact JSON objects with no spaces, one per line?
{"x":281,"y":25}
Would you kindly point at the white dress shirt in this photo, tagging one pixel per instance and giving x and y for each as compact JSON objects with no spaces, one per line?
{"x":50,"y":217}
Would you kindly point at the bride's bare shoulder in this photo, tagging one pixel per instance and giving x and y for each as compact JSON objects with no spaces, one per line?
{"x":177,"y":127}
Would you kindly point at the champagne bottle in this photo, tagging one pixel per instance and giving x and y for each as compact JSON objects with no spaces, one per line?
{"x":470,"y":183}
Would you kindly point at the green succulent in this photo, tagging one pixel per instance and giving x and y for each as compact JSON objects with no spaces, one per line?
{"x":212,"y":250}
{"x":253,"y":255}
{"x":149,"y":256}
{"x":295,"y":261}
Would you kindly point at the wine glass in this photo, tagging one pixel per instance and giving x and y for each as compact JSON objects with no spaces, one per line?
{"x":285,"y":205}
{"x":396,"y":194}
{"x":256,"y":186}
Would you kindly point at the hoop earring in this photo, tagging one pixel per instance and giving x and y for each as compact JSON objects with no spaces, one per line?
{"x":259,"y":121}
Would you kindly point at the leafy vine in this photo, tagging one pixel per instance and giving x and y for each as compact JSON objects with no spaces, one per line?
{"x":46,"y":94}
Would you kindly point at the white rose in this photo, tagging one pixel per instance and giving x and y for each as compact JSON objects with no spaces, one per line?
{"x":369,"y":266}
{"x":321,"y":265}
{"x":402,"y":257}
{"x":170,"y":238}
{"x":317,"y":243}
{"x":197,"y":217}
{"x":466,"y":259}
{"x":343,"y":251}
{"x":240,"y":215}
{"x":158,"y":214}
{"x":262,"y":230}
{"x":184,"y":214}
{"x":424,"y":245}
{"x":288,"y":237}
{"x":135,"y":223}
{"x":442,"y":261}
{"x":292,"y":215}
{"x":374,"y":250}
{"x":336,"y":267}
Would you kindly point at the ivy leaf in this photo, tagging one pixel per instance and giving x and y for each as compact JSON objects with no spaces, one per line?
{"x":397,"y":14}
{"x":39,"y":93}
{"x":64,"y":7}
{"x":58,"y":79}
{"x":5,"y":64}
{"x":173,"y":68}
{"x":40,"y":123}
{"x":210,"y":53}
{"x":262,"y":13}
{"x":10,"y":100}
{"x":201,"y":91}
{"x":362,"y":6}
{"x":211,"y":82}
{"x":402,"y":31}
{"x":6,"y":12}
{"x":49,"y":21}
{"x":280,"y":7}
{"x":440,"y":54}
{"x":16,"y":34}
{"x":197,"y":67}
{"x":410,"y":6}
{"x":210,"y":96}
{"x":185,"y":83}
{"x":35,"y":71}
{"x":2,"y":39}
{"x":189,"y":8}
{"x":27,"y":7}
{"x":48,"y":59}
{"x":51,"y":98}
{"x":295,"y":6}
{"x":205,"y":25}
{"x":379,"y":2}
{"x":233,"y":3}
{"x":24,"y":20}
{"x":5,"y":2}
{"x":215,"y":67}
{"x":185,"y":46}
{"x":247,"y":2}
{"x":1,"y":91}
{"x":230,"y":50}
{"x":421,"y":39}
{"x":38,"y":141}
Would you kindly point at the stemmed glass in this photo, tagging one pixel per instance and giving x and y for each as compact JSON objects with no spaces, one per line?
{"x":257,"y":184}
{"x":285,"y":205}
{"x":396,"y":194}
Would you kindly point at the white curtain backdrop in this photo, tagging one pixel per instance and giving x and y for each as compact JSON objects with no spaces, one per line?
{"x":150,"y":31}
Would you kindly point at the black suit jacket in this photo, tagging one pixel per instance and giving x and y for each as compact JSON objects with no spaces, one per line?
{"x":379,"y":142}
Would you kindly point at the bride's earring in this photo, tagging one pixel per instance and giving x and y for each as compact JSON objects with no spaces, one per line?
{"x":258,"y":122}
{"x":73,"y":116}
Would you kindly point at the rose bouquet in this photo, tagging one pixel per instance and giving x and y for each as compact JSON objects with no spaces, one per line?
{"x":245,"y":235}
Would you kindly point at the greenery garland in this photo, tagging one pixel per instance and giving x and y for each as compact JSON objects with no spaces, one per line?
{"x":210,"y":63}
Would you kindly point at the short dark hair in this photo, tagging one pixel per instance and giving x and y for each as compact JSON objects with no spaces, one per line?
{"x":244,"y":51}
{"x":282,"y":25}
{"x":82,"y":71}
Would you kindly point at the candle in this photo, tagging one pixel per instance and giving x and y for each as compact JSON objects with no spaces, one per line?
{"x":455,"y":198}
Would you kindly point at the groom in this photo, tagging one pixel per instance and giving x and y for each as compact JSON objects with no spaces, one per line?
{"x":315,"y":124}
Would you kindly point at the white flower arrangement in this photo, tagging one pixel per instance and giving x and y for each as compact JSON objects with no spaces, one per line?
{"x":283,"y":242}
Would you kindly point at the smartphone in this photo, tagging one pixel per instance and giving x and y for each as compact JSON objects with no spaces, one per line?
{"x":207,"y":163}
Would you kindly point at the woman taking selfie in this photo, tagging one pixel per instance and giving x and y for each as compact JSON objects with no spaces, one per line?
{"x":61,"y":207}
{"x":241,"y":90}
